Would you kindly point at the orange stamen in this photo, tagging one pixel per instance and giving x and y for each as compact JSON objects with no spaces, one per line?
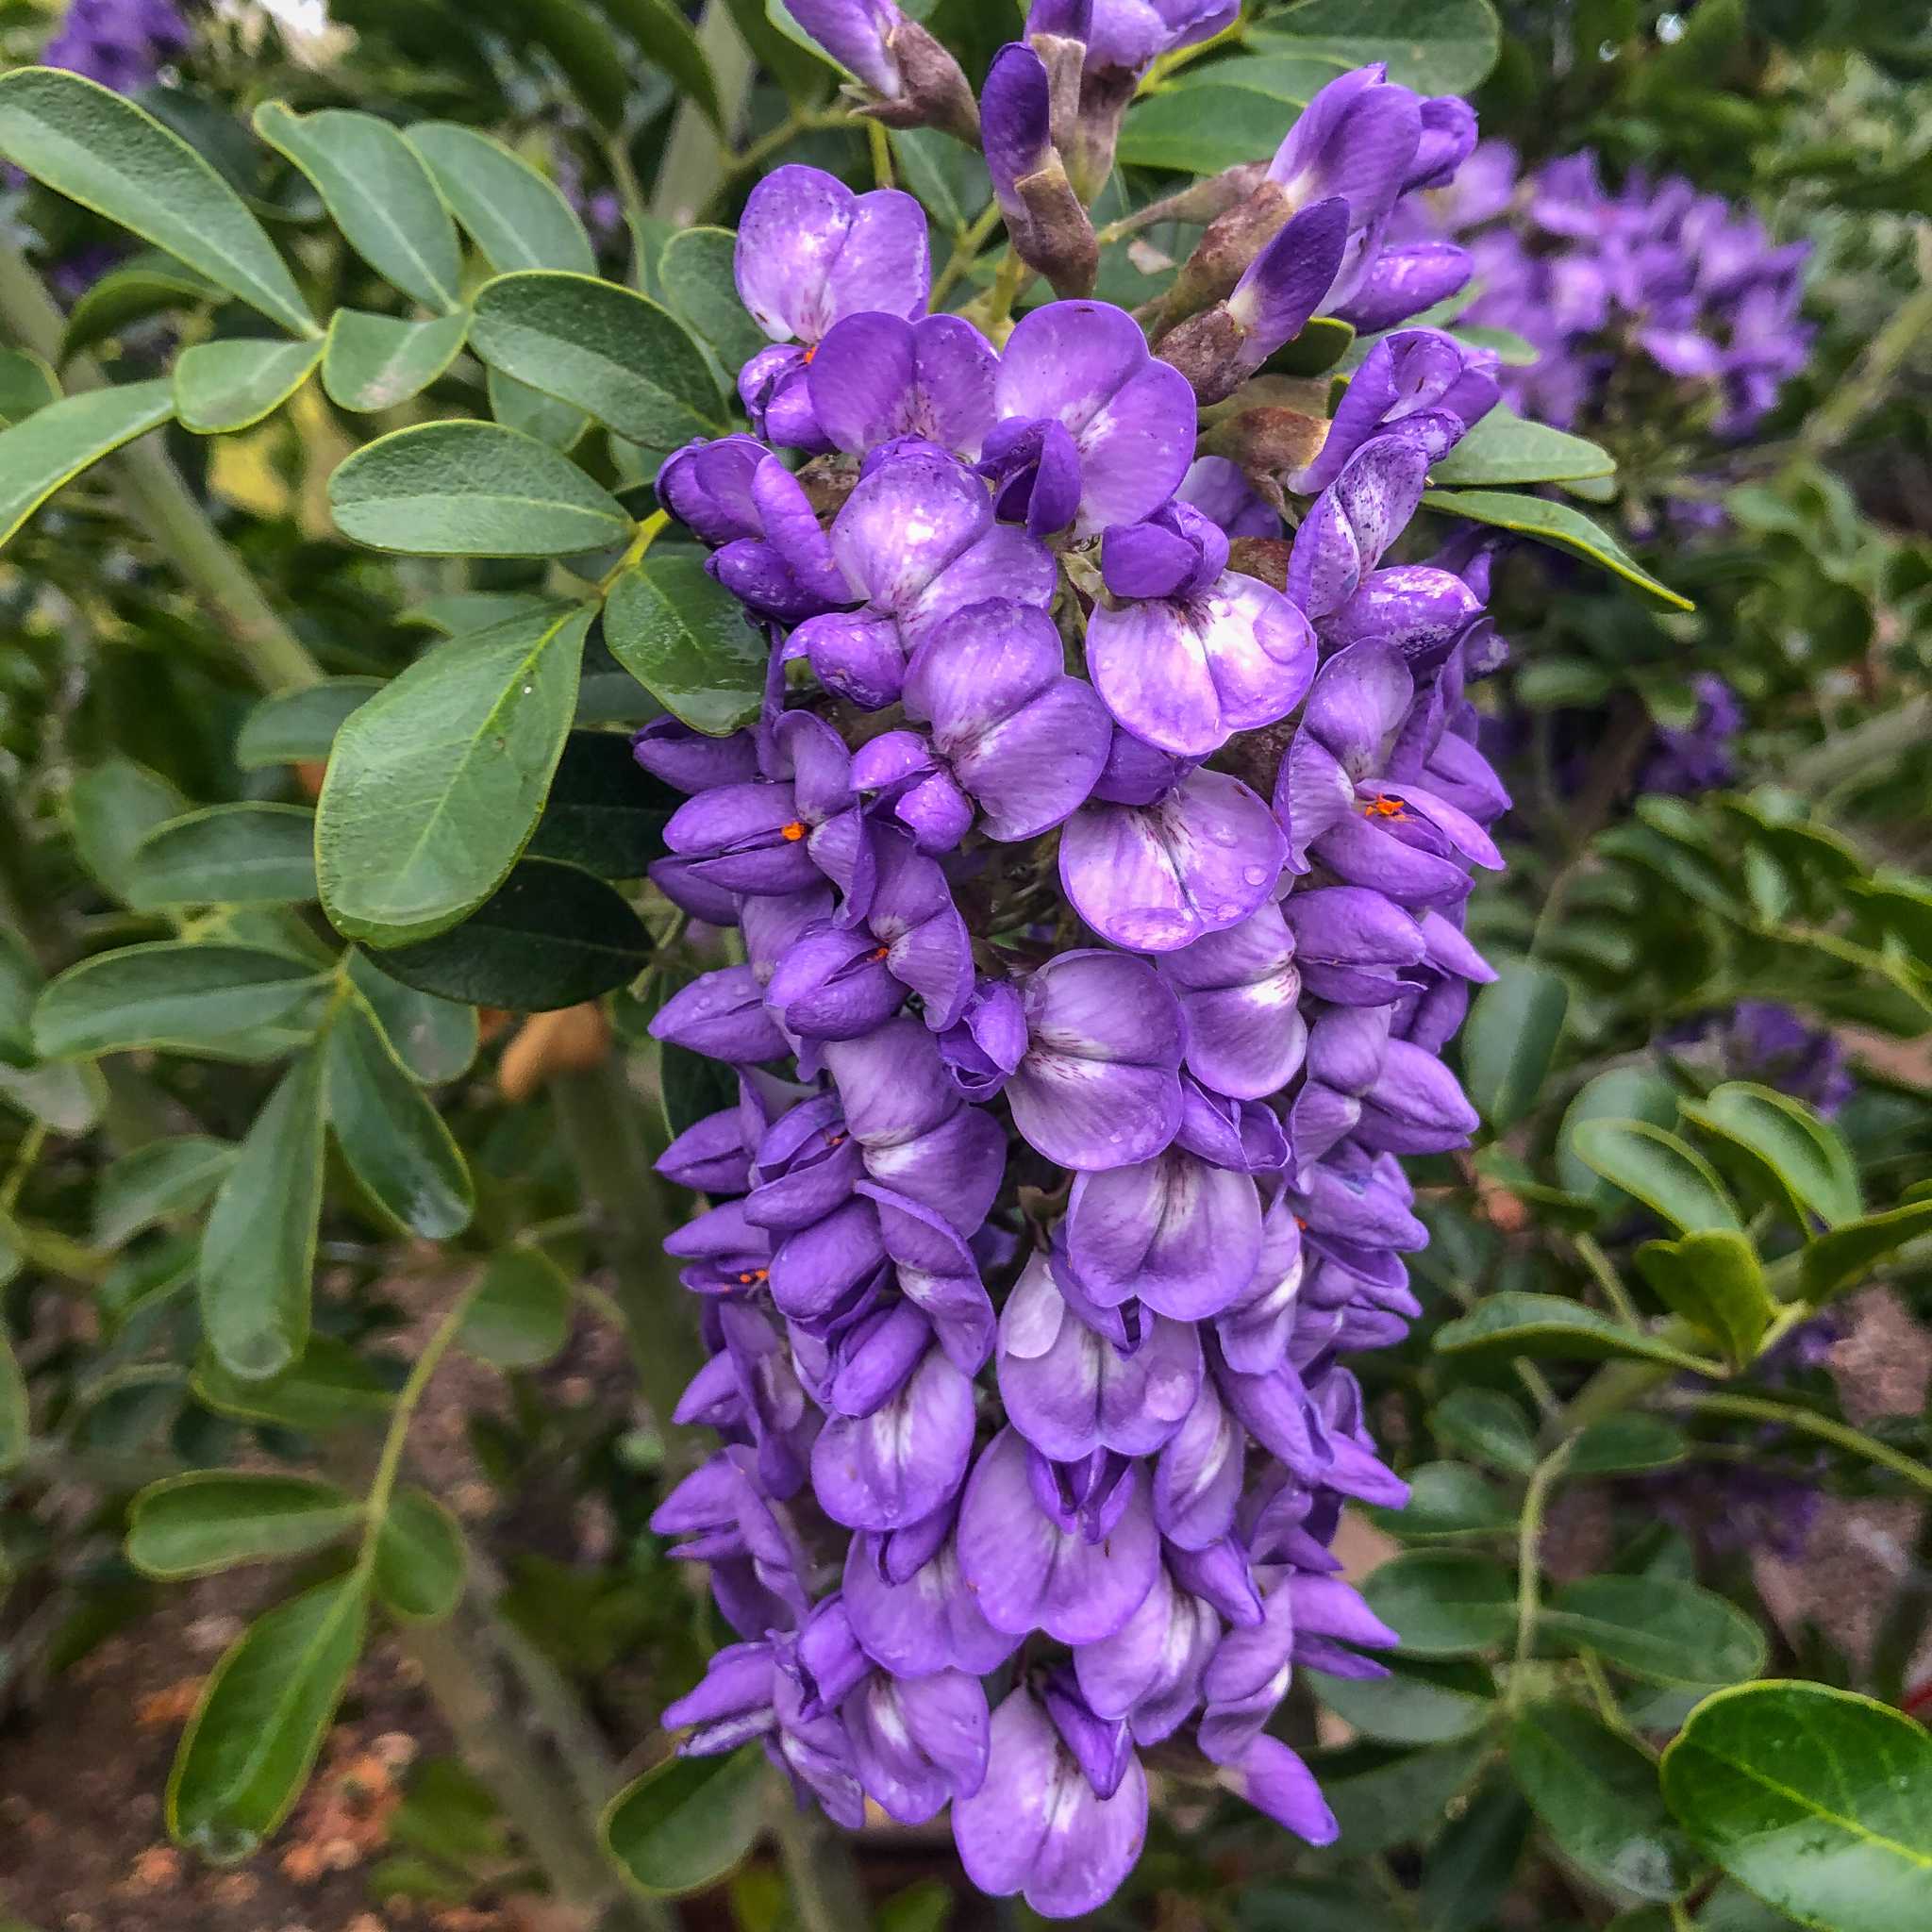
{"x":794,"y":831}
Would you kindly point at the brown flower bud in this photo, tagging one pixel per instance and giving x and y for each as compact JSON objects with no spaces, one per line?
{"x":934,"y":92}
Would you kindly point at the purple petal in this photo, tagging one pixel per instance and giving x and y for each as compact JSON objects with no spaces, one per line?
{"x":1182,"y":1236}
{"x":905,"y":1459}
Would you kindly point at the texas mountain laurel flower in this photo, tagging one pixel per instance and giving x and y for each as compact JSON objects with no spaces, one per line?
{"x":1099,"y":860}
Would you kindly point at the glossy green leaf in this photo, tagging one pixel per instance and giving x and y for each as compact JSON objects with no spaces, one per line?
{"x":667,"y":39}
{"x":1487,"y":1425}
{"x":155,"y":1183}
{"x":472,"y":490}
{"x":330,"y":1387}
{"x":1842,"y":1259}
{"x":15,"y":1429}
{"x":456,"y":613}
{"x":259,"y":1252}
{"x":518,"y":1317}
{"x":54,"y":445}
{"x":191,"y":998}
{"x":1627,"y":1445}
{"x":1514,"y":1322}
{"x":1656,"y":1628}
{"x":696,"y":273}
{"x":1597,"y":1796}
{"x":1555,"y":524}
{"x":375,"y":361}
{"x":620,"y":356}
{"x":1447,"y":1499}
{"x":1654,"y":1166}
{"x":551,"y":936}
{"x":264,"y":1711}
{"x":104,"y":152}
{"x":1444,"y":1603}
{"x":1417,"y":1703}
{"x":420,"y":1558}
{"x":516,"y":216}
{"x":1202,"y":130}
{"x":227,"y":855}
{"x":1818,"y":1800}
{"x":110,"y":809}
{"x":394,"y":1139}
{"x":211,"y":1520}
{"x":434,"y":785}
{"x":1714,"y":1280}
{"x":20,"y":986}
{"x":378,"y":191}
{"x":293,"y":726}
{"x":1633,"y":1094}
{"x":1290,"y":78}
{"x":1436,"y":46}
{"x":149,"y":284}
{"x":1805,"y":1158}
{"x":1506,"y":449}
{"x":27,"y":383}
{"x":1389,"y":1794}
{"x":683,"y":636}
{"x":1510,"y":1037}
{"x":604,"y":813}
{"x":234,"y":383}
{"x":686,"y":1821}
{"x":531,"y":413}
{"x":435,"y":1039}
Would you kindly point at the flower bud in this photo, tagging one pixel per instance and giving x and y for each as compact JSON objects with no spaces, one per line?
{"x":912,"y":80}
{"x":1049,"y":227}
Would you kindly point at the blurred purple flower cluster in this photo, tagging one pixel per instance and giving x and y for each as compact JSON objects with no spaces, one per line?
{"x":1592,"y":279}
{"x":122,"y":44}
{"x":1101,"y":901}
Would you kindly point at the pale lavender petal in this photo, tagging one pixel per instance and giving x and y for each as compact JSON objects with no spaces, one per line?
{"x":1180,"y":1235}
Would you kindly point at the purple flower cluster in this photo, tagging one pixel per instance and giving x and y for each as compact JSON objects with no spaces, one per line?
{"x":1653,"y":273}
{"x":1099,"y":860}
{"x":120,"y":44}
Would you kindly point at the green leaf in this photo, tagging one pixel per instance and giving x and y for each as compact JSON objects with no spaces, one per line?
{"x":378,"y":191}
{"x":472,"y":490}
{"x":550,"y":937}
{"x":687,"y":1821}
{"x":1597,"y":1797}
{"x":1818,"y":1800}
{"x":1467,"y":1872}
{"x":519,"y":406}
{"x":434,"y":785}
{"x":67,"y":1100}
{"x":1203,"y":129}
{"x":233,"y":383}
{"x":20,"y":986}
{"x":666,"y":38}
{"x":375,"y":361}
{"x":188,"y":998}
{"x":149,"y":284}
{"x":27,"y":383}
{"x":435,"y":1039}
{"x":518,"y":1317}
{"x":458,"y":613}
{"x":1446,"y":1499}
{"x":1444,"y":1603}
{"x":616,"y":355}
{"x":227,"y":855}
{"x":55,"y":445}
{"x":264,"y":1711}
{"x":1514,"y":1322}
{"x":1714,"y":1280}
{"x":110,"y":809}
{"x":293,"y":726}
{"x":700,"y":283}
{"x":1555,"y":524}
{"x":1387,"y":1795}
{"x":1627,"y":1094}
{"x":420,"y":1558}
{"x":211,"y":1520}
{"x":1510,"y":1039}
{"x":1417,"y":1703}
{"x":259,"y":1251}
{"x":1627,"y":1445}
{"x":604,"y":813}
{"x":394,"y":1140}
{"x":1491,"y":1427}
{"x":1842,"y":1259}
{"x":514,"y":215}
{"x":155,"y":1183}
{"x":1805,"y":1158}
{"x":1293,"y":79}
{"x":15,"y":1423}
{"x":684,"y":637}
{"x":1656,"y":1628}
{"x":330,"y":1385}
{"x":104,"y":152}
{"x":1654,"y":1166}
{"x":1505,"y":448}
{"x":1436,"y":46}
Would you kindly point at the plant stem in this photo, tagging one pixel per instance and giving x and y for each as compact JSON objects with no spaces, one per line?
{"x":1850,"y":754}
{"x":1606,"y":1277}
{"x":1842,"y":1434}
{"x":160,"y":503}
{"x":965,"y":252}
{"x":603,"y":1125}
{"x":1865,"y":387}
{"x":696,"y":159}
{"x":1529,"y":1564}
{"x":821,"y":1878}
